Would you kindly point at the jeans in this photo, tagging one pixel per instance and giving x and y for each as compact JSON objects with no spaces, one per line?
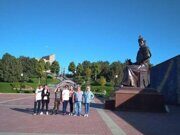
{"x":37,"y":105}
{"x":78,"y":108}
{"x":47,"y":105}
{"x":87,"y":106}
{"x":65,"y":102}
{"x":56,"y":105}
{"x":71,"y":104}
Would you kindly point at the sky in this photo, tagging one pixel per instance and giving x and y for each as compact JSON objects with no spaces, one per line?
{"x":94,"y":30}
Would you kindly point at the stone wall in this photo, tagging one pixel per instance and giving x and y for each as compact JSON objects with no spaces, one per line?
{"x":165,"y":77}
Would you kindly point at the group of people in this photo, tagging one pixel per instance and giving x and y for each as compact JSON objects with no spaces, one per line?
{"x":74,"y":96}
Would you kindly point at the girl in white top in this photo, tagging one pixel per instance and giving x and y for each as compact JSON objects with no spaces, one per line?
{"x":38,"y":99}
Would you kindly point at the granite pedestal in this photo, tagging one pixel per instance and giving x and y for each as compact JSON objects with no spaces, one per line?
{"x":138,"y":99}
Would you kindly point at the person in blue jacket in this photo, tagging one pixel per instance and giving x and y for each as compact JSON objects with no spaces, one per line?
{"x":88,"y":96}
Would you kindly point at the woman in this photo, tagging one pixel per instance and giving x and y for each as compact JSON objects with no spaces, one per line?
{"x":78,"y":100}
{"x":38,"y":99}
{"x":65,"y":98}
{"x":87,"y":97}
{"x":45,"y":99}
{"x":71,"y":94}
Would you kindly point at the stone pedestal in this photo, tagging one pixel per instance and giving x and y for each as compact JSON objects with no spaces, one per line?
{"x":137,"y":99}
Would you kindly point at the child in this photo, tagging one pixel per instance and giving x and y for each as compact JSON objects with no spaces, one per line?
{"x":45,"y":99}
{"x":38,"y":99}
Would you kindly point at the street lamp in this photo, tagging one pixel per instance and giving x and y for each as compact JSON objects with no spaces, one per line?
{"x":116,"y":76}
{"x":21,"y":82}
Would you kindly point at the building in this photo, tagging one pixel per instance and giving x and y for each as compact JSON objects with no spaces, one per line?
{"x":49,"y":58}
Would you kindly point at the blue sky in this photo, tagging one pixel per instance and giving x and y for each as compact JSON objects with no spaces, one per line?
{"x":78,"y":30}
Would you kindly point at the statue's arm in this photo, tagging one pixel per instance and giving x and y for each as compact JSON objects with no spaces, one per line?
{"x":147,"y":55}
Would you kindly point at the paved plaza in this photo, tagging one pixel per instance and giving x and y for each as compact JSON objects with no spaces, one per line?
{"x":16,"y":118}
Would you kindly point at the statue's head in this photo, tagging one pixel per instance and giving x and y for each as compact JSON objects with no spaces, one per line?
{"x":141,"y":41}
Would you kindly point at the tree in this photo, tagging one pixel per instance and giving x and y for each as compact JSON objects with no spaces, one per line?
{"x":1,"y":71}
{"x":95,"y":70}
{"x":79,"y":69}
{"x":88,"y":75}
{"x":11,"y":68}
{"x":29,"y":66}
{"x":34,"y":63}
{"x":88,"y":72}
{"x":40,"y":69}
{"x":102,"y":81}
{"x":104,"y":69}
{"x":55,"y":68}
{"x":47,"y":66}
{"x":72,"y":67}
{"x":86,"y":64}
{"x":116,"y":72}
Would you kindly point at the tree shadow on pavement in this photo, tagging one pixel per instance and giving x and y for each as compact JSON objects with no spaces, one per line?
{"x":24,"y":110}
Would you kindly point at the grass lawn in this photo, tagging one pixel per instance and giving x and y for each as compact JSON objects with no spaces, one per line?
{"x":6,"y":87}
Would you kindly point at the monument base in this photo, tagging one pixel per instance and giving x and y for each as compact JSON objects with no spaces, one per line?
{"x":138,"y":99}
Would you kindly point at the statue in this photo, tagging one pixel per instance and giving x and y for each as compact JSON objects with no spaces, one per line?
{"x":137,"y":74}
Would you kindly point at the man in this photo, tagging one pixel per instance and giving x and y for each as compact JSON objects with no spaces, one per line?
{"x":132,"y":70}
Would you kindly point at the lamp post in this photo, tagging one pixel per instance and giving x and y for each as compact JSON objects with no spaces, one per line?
{"x":21,"y":82}
{"x":46,"y":77}
{"x":116,"y":76}
{"x":46,"y":72}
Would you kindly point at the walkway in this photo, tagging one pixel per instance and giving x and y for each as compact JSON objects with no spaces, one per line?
{"x":16,"y":117}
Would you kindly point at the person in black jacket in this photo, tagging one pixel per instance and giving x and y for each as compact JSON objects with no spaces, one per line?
{"x":45,"y":99}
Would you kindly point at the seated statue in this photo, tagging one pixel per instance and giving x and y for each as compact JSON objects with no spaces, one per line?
{"x":137,"y":74}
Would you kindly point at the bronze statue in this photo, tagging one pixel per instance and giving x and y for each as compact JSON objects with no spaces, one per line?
{"x":137,"y":74}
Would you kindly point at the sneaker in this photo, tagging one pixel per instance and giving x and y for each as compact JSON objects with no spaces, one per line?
{"x":74,"y":115}
{"x":47,"y":113}
{"x":35,"y":114}
{"x":86,"y":115}
{"x":41,"y":113}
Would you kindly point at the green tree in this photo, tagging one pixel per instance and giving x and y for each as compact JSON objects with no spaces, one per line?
{"x":72,"y":67}
{"x":79,"y":69}
{"x":88,"y":72}
{"x":1,"y":71}
{"x":40,"y":69}
{"x":88,"y":75}
{"x":86,"y":64}
{"x":47,"y":66}
{"x":29,"y":66}
{"x":95,"y":70}
{"x":104,"y":69}
{"x":34,"y":63}
{"x":102,"y":81}
{"x":55,"y":67}
{"x":116,"y":72}
{"x":11,"y":68}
